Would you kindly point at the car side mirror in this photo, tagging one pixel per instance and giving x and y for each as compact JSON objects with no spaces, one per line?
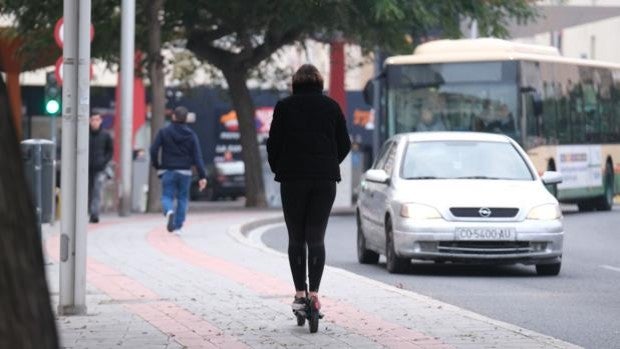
{"x":378,"y":176}
{"x":551,"y":177}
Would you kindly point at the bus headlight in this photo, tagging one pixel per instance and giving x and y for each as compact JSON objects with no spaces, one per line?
{"x":545,"y":212}
{"x":419,"y":211}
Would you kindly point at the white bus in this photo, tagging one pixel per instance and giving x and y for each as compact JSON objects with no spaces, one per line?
{"x":565,"y":112}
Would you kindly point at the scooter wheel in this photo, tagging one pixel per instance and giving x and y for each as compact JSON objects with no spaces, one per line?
{"x":314,"y":322}
{"x":301,"y":320}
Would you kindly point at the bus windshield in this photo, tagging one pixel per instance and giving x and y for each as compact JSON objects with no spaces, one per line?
{"x":463,"y":96}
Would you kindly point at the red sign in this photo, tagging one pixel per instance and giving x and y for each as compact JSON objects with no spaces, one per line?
{"x":59,"y":70}
{"x":59,"y":32}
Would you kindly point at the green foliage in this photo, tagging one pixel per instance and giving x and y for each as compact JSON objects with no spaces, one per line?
{"x":248,"y":32}
{"x":36,"y":21}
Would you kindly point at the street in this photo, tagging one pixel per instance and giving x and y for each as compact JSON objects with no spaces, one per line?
{"x":581,"y":305}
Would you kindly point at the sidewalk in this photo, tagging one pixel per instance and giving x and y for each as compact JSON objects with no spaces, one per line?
{"x":218,"y":287}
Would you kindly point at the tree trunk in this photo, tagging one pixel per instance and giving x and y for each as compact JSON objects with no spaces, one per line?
{"x":244,"y":106}
{"x":26,"y":318}
{"x":158,"y":96}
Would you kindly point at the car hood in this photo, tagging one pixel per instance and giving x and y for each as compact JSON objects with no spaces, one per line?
{"x":443,"y":194}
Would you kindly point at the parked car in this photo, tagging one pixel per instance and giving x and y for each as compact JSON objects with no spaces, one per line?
{"x":458,"y":197}
{"x":224,"y":180}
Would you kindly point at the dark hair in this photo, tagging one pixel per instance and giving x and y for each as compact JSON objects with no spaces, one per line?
{"x":180,"y":114}
{"x":307,"y":76}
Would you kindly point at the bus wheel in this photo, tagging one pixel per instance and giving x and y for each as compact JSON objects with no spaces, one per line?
{"x":585,"y":205}
{"x":606,"y":202}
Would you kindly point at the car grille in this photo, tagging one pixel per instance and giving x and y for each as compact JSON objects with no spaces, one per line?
{"x":474,"y":212}
{"x":487,"y":247}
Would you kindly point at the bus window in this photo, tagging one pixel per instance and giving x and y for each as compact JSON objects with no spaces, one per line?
{"x":614,"y":117}
{"x":533,"y":120}
{"x":591,"y":112}
{"x":549,"y":113}
{"x":563,"y":131}
{"x":575,"y":113}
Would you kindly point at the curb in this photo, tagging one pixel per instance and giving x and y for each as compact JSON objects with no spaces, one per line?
{"x":246,"y":228}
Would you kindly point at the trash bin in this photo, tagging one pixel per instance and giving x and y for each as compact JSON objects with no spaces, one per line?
{"x":38,"y":160}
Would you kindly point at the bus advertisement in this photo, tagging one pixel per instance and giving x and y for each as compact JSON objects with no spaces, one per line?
{"x":565,"y":112}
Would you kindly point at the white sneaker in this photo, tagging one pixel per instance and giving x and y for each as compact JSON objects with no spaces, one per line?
{"x":170,"y":221}
{"x":178,"y":232}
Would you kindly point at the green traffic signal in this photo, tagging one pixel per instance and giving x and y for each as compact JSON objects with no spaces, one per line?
{"x":52,"y":107}
{"x":52,"y":95}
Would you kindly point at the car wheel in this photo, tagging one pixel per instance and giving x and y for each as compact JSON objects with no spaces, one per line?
{"x":364,"y":255}
{"x":394,"y":263}
{"x":606,"y":202}
{"x":548,"y":269}
{"x":193,"y":196}
{"x":210,"y":194}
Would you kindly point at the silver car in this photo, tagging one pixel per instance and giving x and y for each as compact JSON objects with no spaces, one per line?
{"x":459,"y":197}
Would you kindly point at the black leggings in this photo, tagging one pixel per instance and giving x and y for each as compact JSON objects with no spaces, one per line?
{"x":306,"y":205}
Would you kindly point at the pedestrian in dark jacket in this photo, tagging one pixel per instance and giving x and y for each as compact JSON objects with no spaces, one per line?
{"x":100,"y":151}
{"x":307,"y":141}
{"x":180,"y":150}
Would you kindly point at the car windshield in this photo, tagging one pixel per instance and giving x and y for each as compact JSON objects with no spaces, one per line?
{"x":464,"y":160}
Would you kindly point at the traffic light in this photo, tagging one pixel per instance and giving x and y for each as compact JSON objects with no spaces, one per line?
{"x":52,"y":98}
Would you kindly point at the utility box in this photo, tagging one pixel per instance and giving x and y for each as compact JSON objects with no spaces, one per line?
{"x":139,"y":183}
{"x":38,"y":159}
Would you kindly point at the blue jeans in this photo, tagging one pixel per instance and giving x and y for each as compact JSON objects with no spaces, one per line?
{"x":175,"y":185}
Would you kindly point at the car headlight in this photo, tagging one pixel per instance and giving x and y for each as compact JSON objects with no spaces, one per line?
{"x":545,"y":212}
{"x":419,"y":211}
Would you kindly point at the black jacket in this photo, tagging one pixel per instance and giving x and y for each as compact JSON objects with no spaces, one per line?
{"x":308,"y":138}
{"x":180,"y":149}
{"x":100,"y":150}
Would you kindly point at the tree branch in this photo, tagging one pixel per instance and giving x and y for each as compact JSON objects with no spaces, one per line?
{"x":212,"y":35}
{"x":272,"y":44}
{"x":204,"y":50}
{"x":247,"y":46}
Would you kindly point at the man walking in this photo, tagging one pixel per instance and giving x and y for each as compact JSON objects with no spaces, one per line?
{"x":100,"y":151}
{"x":179,"y":151}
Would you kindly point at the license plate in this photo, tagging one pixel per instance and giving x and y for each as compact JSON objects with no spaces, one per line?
{"x":485,"y":234}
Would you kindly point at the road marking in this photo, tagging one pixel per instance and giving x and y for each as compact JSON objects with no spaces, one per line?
{"x":609,"y":267}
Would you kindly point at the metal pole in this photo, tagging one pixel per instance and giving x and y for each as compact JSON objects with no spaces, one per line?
{"x":127,"y":77}
{"x":83,"y":111}
{"x":37,"y":184}
{"x":376,"y":104}
{"x":74,"y":176}
{"x":53,"y":136}
{"x":66,"y":304}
